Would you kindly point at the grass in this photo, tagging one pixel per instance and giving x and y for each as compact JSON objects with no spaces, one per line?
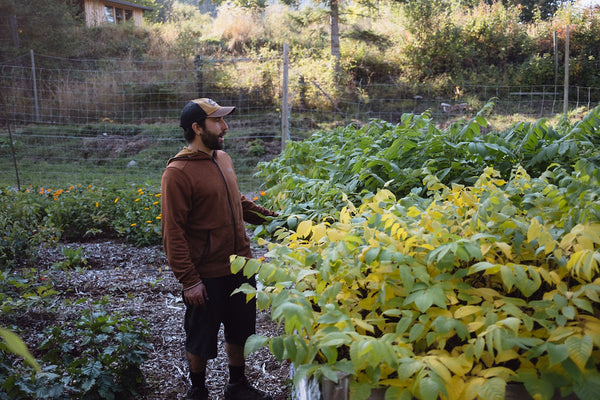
{"x":103,"y":155}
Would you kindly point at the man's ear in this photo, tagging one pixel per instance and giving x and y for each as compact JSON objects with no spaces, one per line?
{"x":197,"y":128}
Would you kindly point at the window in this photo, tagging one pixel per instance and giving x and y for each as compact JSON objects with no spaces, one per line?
{"x":109,"y":13}
{"x":116,"y":15}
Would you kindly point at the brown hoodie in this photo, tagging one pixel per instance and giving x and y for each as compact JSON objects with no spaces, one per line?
{"x":203,"y":214}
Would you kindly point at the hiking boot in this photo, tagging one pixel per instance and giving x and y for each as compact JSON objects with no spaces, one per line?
{"x":243,"y":391}
{"x":197,"y":393}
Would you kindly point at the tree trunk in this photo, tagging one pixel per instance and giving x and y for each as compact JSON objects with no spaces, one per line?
{"x":335,"y":33}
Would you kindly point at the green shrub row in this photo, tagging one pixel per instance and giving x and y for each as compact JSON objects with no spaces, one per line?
{"x":313,"y":178}
{"x":437,"y":263}
{"x":43,"y":216}
{"x":452,"y":296}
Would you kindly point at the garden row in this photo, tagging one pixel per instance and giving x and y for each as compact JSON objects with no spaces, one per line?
{"x":432,"y":263}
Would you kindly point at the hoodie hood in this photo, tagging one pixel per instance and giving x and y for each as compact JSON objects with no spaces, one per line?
{"x":187,"y":154}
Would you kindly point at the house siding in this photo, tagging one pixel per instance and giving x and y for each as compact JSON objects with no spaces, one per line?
{"x":94,"y":12}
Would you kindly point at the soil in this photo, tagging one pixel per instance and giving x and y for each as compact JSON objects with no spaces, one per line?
{"x":140,"y":283}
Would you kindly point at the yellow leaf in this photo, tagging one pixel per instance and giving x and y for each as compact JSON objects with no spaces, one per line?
{"x":464,"y":311}
{"x":304,"y":228}
{"x":335,"y":235}
{"x":456,"y":388}
{"x":362,"y":324}
{"x":413,"y":212}
{"x":534,"y":230}
{"x":505,"y":248}
{"x":506,"y":355}
{"x":459,"y":366}
{"x":439,"y":368}
{"x":319,"y":231}
{"x":473,"y":387}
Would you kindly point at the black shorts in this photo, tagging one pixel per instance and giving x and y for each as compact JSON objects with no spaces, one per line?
{"x":238,"y":317}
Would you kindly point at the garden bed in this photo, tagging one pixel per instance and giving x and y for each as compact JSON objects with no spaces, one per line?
{"x":139,"y":283}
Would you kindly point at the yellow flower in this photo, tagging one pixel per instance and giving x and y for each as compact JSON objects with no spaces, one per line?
{"x":134,"y":224}
{"x":96,"y":204}
{"x":149,"y":222}
{"x":137,"y":200}
{"x":117,"y":199}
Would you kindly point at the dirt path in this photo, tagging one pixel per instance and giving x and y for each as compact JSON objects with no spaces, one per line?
{"x":139,"y":282}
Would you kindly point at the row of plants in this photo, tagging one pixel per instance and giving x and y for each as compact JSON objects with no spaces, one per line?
{"x":33,"y":217}
{"x":96,"y":355}
{"x":90,"y":352}
{"x":339,"y":165}
{"x":437,"y":263}
{"x":451,"y":296}
{"x":460,"y":256}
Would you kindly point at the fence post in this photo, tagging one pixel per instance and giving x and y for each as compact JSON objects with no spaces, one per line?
{"x":555,"y":60}
{"x":14,"y":156}
{"x":285,"y":129}
{"x":566,"y":96}
{"x":199,"y":75}
{"x":35,"y":94}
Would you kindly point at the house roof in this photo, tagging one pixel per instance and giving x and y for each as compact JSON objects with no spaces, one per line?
{"x":129,"y":4}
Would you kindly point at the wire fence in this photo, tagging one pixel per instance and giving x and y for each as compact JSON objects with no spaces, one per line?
{"x":70,"y":120}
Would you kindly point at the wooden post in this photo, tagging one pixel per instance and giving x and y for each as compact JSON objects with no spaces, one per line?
{"x":566,"y":96}
{"x":285,"y":129}
{"x":35,"y":94}
{"x":199,"y":75}
{"x":12,"y":149}
{"x":555,"y":60}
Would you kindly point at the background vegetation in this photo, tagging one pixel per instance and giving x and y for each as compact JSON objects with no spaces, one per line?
{"x":443,"y":43}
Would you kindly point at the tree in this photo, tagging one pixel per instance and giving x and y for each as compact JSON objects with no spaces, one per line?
{"x":530,"y":9}
{"x":44,"y":26}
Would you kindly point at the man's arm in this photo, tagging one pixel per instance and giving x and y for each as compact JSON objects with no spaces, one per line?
{"x":255,"y":214}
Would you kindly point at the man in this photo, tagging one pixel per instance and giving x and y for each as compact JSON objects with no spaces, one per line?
{"x":203,"y":214}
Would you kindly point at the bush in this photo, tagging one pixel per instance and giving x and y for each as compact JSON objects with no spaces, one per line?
{"x":453,"y":295}
{"x":22,"y":227}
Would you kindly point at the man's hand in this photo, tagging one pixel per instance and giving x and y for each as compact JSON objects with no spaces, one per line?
{"x":196,"y":295}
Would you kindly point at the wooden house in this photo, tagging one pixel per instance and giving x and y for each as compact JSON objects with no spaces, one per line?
{"x":112,"y":12}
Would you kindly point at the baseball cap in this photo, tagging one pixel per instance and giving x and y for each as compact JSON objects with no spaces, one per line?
{"x":199,"y":109}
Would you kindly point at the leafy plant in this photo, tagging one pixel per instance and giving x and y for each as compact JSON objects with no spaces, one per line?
{"x":449,"y":296}
{"x":335,"y":167}
{"x":74,"y":258}
{"x":97,"y":356}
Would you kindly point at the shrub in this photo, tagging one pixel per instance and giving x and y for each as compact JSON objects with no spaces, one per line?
{"x":22,"y":227}
{"x":453,"y":295}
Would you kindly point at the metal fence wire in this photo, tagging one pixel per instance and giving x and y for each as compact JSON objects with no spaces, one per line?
{"x":116,"y":112}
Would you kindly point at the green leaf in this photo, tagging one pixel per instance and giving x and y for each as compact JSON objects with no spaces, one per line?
{"x":580,"y":350}
{"x":237,"y":263}
{"x":18,"y":347}
{"x":589,"y":389}
{"x":431,"y":387}
{"x":276,"y":346}
{"x":251,"y":267}
{"x":557,"y":353}
{"x":254,"y":343}
{"x":493,"y":389}
{"x":394,"y":393}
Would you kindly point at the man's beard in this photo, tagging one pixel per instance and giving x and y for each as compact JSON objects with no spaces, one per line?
{"x":211,"y":141}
